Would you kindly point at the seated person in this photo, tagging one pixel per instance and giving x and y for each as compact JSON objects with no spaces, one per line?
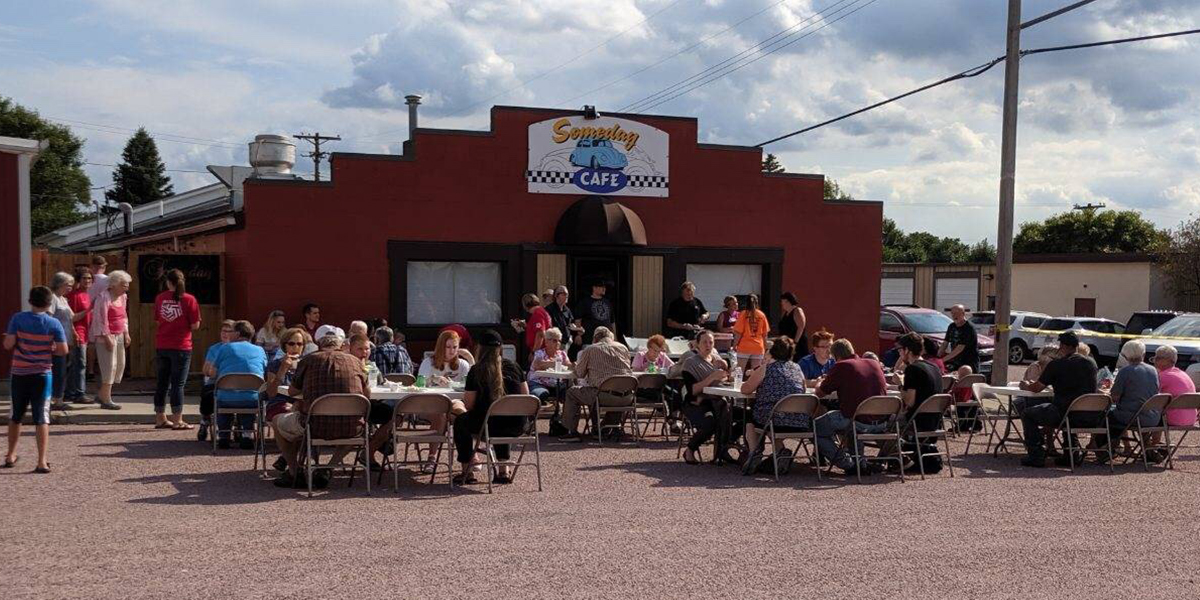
{"x":465,"y":343}
{"x":920,"y":380}
{"x":238,"y":356}
{"x":778,"y":379}
{"x":603,"y":358}
{"x":543,"y":360}
{"x":390,"y":357}
{"x":676,"y":370}
{"x":446,"y":366}
{"x":327,"y":371}
{"x":1071,"y":375}
{"x":710,"y":416}
{"x":655,"y":354}
{"x":279,"y":374}
{"x":816,"y":365}
{"x":1136,"y":382}
{"x":931,"y":355}
{"x":1174,"y":381}
{"x":1046,"y":354}
{"x":854,"y":379}
{"x":479,"y":395}
{"x":209,"y":385}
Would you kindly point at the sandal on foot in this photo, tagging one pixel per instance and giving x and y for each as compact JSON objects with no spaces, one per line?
{"x":182,"y":426}
{"x":45,"y":469}
{"x":8,"y":464}
{"x":162,"y":426}
{"x":465,"y":479}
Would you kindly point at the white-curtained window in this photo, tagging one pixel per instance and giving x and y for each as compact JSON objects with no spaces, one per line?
{"x":714,"y":282}
{"x":453,"y":292}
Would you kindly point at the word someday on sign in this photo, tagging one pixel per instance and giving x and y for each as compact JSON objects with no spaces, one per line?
{"x":563,"y":131}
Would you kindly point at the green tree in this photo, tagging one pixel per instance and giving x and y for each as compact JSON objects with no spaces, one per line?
{"x":1178,"y":253}
{"x":141,"y":177}
{"x":771,"y":164}
{"x":923,"y":247}
{"x":57,"y":184}
{"x":1088,"y":231}
{"x":834,"y":192}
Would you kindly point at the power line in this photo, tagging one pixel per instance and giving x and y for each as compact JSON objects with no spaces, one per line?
{"x":165,"y":137}
{"x":824,"y":23}
{"x":975,"y":72}
{"x":663,"y":60}
{"x":95,"y":164}
{"x":315,"y":139}
{"x":1055,"y":13}
{"x":784,"y":34}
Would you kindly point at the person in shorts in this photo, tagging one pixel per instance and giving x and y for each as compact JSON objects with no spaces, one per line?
{"x":33,"y":337}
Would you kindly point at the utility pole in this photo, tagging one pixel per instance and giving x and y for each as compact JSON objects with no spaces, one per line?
{"x":1008,"y":174}
{"x":1089,"y":207}
{"x":315,"y":139}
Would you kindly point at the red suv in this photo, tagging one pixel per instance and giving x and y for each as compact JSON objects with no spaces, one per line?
{"x":895,"y":321}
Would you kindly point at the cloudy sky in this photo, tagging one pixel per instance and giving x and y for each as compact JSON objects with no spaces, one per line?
{"x":1116,"y":125}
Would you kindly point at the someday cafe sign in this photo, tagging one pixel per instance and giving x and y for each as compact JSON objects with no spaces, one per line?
{"x":603,"y":156}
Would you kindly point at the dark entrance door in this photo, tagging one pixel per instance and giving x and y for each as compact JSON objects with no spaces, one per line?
{"x":614,"y":271}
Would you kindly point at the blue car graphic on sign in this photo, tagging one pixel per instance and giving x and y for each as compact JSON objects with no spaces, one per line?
{"x":597,"y":154}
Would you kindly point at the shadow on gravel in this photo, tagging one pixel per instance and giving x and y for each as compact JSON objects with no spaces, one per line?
{"x":671,"y":474}
{"x":169,"y":448}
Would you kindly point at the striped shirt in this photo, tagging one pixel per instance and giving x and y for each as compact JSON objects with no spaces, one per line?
{"x":598,"y":362}
{"x":36,"y":334}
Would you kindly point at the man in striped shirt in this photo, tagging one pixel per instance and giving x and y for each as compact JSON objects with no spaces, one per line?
{"x":33,"y":337}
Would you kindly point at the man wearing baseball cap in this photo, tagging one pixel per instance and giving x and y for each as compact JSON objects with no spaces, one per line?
{"x":1071,"y":375}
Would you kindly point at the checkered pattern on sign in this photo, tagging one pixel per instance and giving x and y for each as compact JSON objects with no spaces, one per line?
{"x":547,"y":177}
{"x":648,"y":181}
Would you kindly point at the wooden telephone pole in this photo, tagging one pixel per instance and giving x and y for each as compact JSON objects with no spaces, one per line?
{"x":315,"y":139}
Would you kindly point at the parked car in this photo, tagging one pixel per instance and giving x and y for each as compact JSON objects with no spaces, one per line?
{"x":597,"y":154}
{"x":1186,"y":325}
{"x":1104,"y":349}
{"x":1146,"y":321}
{"x":895,"y":321}
{"x":1021,"y":338}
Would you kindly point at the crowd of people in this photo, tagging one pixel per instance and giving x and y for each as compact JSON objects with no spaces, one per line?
{"x":311,"y":358}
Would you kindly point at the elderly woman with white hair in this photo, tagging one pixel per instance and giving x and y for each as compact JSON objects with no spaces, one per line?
{"x":61,"y":284}
{"x":1136,"y":383}
{"x":110,"y":334}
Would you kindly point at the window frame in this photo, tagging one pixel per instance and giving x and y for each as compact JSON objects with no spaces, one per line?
{"x":500,"y":292}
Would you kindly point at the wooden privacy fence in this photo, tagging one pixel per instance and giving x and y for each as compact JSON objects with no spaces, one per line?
{"x":140,"y":361}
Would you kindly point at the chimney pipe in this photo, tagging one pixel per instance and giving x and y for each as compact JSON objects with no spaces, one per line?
{"x":127,"y":210}
{"x":413,"y":101}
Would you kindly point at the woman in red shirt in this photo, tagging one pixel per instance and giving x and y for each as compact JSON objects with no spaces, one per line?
{"x":81,"y":303}
{"x":178,"y":315}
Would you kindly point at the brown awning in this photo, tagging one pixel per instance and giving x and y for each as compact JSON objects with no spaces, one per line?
{"x":599,"y":221}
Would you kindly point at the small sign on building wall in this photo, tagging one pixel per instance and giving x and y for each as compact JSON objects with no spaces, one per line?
{"x":201,"y":272}
{"x":603,"y":156}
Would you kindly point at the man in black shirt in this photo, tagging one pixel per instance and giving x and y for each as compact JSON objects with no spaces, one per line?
{"x":922,"y":379}
{"x":562,"y":317}
{"x":1071,"y":375}
{"x":962,"y":343}
{"x":686,"y":314}
{"x":596,"y":311}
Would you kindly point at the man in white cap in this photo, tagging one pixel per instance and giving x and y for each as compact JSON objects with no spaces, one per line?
{"x":333,"y":330}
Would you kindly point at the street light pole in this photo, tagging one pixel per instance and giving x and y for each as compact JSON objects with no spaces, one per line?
{"x":1008,"y":168}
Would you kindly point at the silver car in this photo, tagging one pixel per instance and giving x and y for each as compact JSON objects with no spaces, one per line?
{"x":1021,"y":338}
{"x":1104,"y":349}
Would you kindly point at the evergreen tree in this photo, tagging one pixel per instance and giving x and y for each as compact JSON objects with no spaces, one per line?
{"x":834,"y":192}
{"x":771,"y":164}
{"x":57,"y":184}
{"x":141,"y":177}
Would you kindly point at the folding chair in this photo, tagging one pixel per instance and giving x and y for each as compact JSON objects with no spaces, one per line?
{"x":655,"y":383}
{"x":1139,"y":434}
{"x":401,"y":378}
{"x":933,"y":405}
{"x":795,"y":404}
{"x":405,"y":431}
{"x":242,"y":382}
{"x":513,"y":405}
{"x":948,"y":383}
{"x":966,"y":383}
{"x":992,"y":411}
{"x":878,"y":406}
{"x":618,"y":388}
{"x":1189,"y":401}
{"x":1087,"y":403}
{"x":337,"y":420}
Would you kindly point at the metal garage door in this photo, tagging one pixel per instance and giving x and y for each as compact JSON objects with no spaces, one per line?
{"x":964,"y":291}
{"x":896,"y":290}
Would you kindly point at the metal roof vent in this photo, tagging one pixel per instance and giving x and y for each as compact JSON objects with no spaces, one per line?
{"x":272,"y":156}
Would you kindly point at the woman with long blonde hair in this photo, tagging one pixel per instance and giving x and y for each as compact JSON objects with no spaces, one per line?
{"x":268,"y":334}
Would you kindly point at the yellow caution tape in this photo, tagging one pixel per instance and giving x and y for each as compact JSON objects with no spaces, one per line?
{"x":1120,"y":336}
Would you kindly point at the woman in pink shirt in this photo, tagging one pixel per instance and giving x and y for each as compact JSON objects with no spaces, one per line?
{"x":110,"y":333}
{"x":1173,"y":381}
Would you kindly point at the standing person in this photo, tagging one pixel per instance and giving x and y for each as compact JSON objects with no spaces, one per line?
{"x":210,"y":383}
{"x":793,"y":324}
{"x":490,"y":379}
{"x":536,"y":325}
{"x":596,"y":311}
{"x":238,"y":356}
{"x":311,"y":314}
{"x":178,"y":315}
{"x":961,"y":348}
{"x":750,"y":335}
{"x":110,"y":333}
{"x":99,"y":279}
{"x":547,"y":297}
{"x":33,"y":337}
{"x":60,"y":308}
{"x":81,"y":304}
{"x":686,"y":315}
{"x":268,"y":334}
{"x":562,"y":318}
{"x":727,"y":319}
{"x":389,"y":356}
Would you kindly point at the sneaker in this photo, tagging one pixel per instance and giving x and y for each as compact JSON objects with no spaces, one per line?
{"x":280,"y":464}
{"x":110,"y":406}
{"x":63,"y":406}
{"x":202,"y":431}
{"x":321,"y":480}
{"x":1156,"y":455}
{"x":82,"y":400}
{"x":285,"y":480}
{"x":557,"y":429}
{"x":571,"y":437}
{"x":224,"y":444}
{"x":751,"y":464}
{"x":1037,"y":462}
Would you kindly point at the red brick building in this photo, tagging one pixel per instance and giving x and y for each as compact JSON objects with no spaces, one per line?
{"x":454,"y":229}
